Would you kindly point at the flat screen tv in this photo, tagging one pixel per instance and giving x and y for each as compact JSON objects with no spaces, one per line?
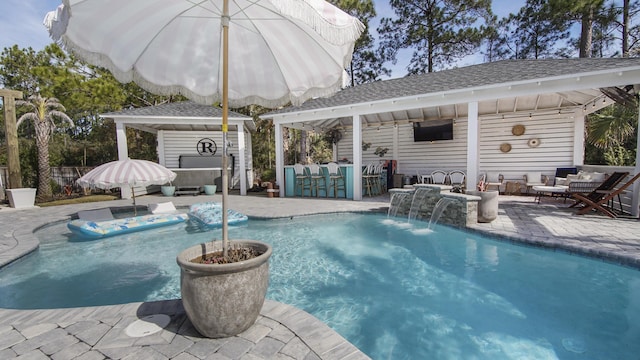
{"x":432,"y":130}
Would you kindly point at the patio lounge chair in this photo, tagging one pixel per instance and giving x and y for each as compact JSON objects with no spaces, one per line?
{"x":598,"y":199}
{"x":103,"y":214}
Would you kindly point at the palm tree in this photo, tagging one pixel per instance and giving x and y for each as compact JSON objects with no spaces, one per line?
{"x":44,"y":112}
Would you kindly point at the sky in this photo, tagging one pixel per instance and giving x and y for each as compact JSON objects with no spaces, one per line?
{"x":21,"y":24}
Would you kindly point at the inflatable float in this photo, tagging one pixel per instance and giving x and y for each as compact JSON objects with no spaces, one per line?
{"x":209,"y":214}
{"x":98,"y":229}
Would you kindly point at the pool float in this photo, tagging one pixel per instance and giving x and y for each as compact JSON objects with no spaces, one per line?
{"x":209,"y":214}
{"x":98,"y":229}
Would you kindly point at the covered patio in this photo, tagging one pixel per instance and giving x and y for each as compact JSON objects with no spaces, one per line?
{"x":546,"y":99}
{"x":190,"y":140}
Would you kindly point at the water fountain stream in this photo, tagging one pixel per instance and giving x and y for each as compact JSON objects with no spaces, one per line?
{"x":441,"y":205}
{"x":394,"y":203}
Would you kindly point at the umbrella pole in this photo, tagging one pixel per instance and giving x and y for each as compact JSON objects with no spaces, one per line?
{"x":225,"y":122}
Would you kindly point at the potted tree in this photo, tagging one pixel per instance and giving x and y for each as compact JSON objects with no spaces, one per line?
{"x":222,"y":296}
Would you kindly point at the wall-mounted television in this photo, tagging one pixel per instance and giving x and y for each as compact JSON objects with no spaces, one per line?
{"x":432,"y":130}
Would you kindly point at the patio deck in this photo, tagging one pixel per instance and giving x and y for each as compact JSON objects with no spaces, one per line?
{"x":281,"y":331}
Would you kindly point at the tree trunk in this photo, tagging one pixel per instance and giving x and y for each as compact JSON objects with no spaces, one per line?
{"x":44,"y":169}
{"x":11,"y":133}
{"x":586,"y":34}
{"x":303,"y":147}
{"x":625,"y":29}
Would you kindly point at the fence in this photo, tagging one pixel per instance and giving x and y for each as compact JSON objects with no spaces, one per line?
{"x":64,"y":178}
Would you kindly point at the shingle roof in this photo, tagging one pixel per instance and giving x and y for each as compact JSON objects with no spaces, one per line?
{"x":487,"y":74}
{"x":177,"y":109}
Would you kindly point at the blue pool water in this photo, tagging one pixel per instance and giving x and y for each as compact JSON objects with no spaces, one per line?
{"x":393,"y":289}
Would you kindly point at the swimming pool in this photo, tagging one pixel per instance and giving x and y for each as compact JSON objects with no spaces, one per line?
{"x":395,"y":290}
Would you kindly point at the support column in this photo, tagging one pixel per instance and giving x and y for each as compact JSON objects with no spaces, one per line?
{"x":243,"y":161}
{"x":279,"y":157}
{"x":11,"y":133}
{"x":473,"y":146}
{"x":578,"y":137}
{"x":357,"y":157}
{"x":635,"y":201}
{"x":123,"y":154}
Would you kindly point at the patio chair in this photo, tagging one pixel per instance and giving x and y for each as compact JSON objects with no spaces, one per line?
{"x":493,"y":179}
{"x":598,"y":199}
{"x":457,"y":178}
{"x":535,"y":178}
{"x":439,"y":177}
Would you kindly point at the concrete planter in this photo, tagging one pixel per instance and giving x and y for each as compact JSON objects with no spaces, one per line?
{"x":22,"y":198}
{"x":210,"y":189}
{"x":223,"y":300}
{"x":168,"y":190}
{"x":487,"y":206}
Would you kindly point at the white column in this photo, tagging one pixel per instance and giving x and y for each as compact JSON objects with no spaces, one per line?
{"x":635,"y":201}
{"x":357,"y":157}
{"x":162,"y":160}
{"x":578,"y":137}
{"x":279,"y":157}
{"x":250,"y":177}
{"x":396,"y":143}
{"x":123,"y":154}
{"x":243,"y":160}
{"x":473,"y":146}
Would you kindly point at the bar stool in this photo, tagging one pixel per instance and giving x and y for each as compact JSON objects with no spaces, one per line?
{"x":303,"y":181}
{"x":318,"y":181}
{"x":336,"y":180}
{"x":369,"y":179}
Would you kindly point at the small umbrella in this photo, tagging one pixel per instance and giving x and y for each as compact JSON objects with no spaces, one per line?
{"x":238,"y":52}
{"x":129,"y":172}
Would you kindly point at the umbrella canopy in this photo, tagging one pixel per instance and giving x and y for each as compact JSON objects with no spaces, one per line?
{"x":280,"y":51}
{"x":127,"y":173}
{"x":238,"y":52}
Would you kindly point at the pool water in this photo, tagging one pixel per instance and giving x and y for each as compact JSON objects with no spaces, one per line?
{"x":393,"y":289}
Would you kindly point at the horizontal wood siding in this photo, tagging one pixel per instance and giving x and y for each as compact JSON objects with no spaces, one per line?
{"x":426,"y":156}
{"x":177,"y":143}
{"x":555,"y":150}
{"x":555,"y":134}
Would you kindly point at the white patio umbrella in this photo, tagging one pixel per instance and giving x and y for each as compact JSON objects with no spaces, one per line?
{"x":129,"y":172}
{"x":281,"y":50}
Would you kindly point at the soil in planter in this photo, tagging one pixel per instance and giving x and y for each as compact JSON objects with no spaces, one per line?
{"x":233,"y":255}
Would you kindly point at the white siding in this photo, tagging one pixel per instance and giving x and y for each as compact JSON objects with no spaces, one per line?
{"x":177,"y":143}
{"x":555,"y":149}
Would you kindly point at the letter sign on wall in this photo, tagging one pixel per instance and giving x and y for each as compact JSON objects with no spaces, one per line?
{"x":207,"y":147}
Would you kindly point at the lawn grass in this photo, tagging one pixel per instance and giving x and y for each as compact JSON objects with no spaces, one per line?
{"x":79,"y":200}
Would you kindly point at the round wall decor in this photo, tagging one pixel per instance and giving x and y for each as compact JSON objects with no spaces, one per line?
{"x":533,"y":142}
{"x":517,"y":130}
{"x":505,"y":147}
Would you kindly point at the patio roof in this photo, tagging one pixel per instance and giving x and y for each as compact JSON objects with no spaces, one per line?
{"x":181,"y":116}
{"x":501,"y":88}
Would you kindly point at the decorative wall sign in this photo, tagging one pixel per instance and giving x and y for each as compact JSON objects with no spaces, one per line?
{"x":505,"y":147}
{"x":533,"y":142}
{"x":517,"y":130}
{"x":207,"y":147}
